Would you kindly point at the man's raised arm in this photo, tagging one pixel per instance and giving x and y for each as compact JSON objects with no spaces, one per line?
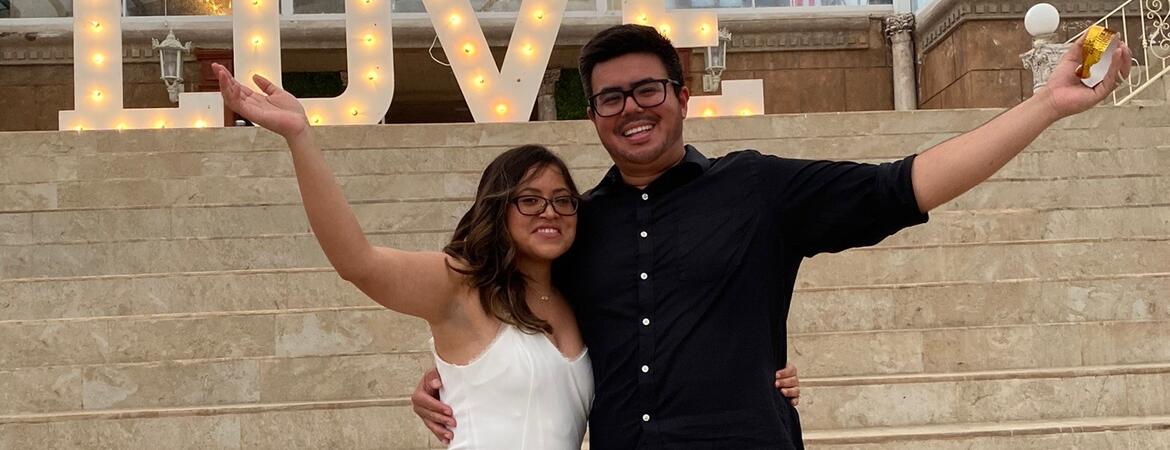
{"x":949,"y":169}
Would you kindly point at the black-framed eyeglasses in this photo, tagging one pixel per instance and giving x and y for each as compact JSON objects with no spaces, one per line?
{"x":535,"y":205}
{"x":647,"y":94}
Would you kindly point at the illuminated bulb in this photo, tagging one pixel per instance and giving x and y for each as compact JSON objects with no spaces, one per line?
{"x":480,"y":81}
{"x":366,"y":1}
{"x":643,"y":18}
{"x":454,"y":20}
{"x":501,"y":109}
{"x":255,"y":2}
{"x":369,"y":39}
{"x":528,"y":50}
{"x":373,"y":75}
{"x":745,"y":112}
{"x":316,"y":119}
{"x":97,"y":95}
{"x":353,"y":112}
{"x":160,"y":124}
{"x":200,"y":124}
{"x":468,"y":48}
{"x":78,"y":128}
{"x":664,"y":29}
{"x":708,"y":112}
{"x":99,"y":58}
{"x":256,"y":40}
{"x":539,"y":15}
{"x":97,"y":26}
{"x":704,"y":28}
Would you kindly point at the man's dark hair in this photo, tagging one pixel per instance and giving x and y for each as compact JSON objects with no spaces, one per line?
{"x":620,"y":40}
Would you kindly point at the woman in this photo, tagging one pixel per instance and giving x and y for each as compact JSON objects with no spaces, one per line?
{"x":505,"y":340}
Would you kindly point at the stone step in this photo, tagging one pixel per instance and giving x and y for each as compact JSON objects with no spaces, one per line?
{"x":994,"y":194}
{"x":210,"y":382}
{"x":180,"y":222}
{"x":963,"y":304}
{"x":983,"y":261}
{"x":1006,"y":396}
{"x":362,"y":331}
{"x":377,"y":424}
{"x":1115,"y":122}
{"x":980,"y":348}
{"x":841,"y":308}
{"x":1146,"y":432}
{"x":1059,"y":153}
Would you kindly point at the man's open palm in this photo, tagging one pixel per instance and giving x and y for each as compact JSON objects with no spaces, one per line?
{"x":275,"y":109}
{"x":1069,"y":96}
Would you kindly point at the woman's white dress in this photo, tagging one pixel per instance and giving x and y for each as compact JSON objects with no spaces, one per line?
{"x":519,"y":393}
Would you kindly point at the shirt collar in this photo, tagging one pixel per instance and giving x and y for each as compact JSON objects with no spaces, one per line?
{"x":691,"y":167}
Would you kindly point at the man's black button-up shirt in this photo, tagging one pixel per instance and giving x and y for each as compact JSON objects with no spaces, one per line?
{"x":682,"y":289}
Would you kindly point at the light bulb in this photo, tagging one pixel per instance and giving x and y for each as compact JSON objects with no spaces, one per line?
{"x":528,"y":50}
{"x":1042,"y":19}
{"x":468,"y":48}
{"x":539,"y":15}
{"x":99,"y":58}
{"x":353,"y":112}
{"x":97,"y":95}
{"x":256,"y":41}
{"x":745,"y":112}
{"x":664,"y":29}
{"x":454,"y":19}
{"x":480,"y":81}
{"x":78,"y":128}
{"x":643,"y":18}
{"x":369,"y":39}
{"x":120,"y":126}
{"x":200,"y":124}
{"x":316,"y":119}
{"x":97,"y":26}
{"x":254,"y":3}
{"x":704,"y":28}
{"x":372,"y":75}
{"x":708,"y":112}
{"x":160,"y":124}
{"x":501,"y":109}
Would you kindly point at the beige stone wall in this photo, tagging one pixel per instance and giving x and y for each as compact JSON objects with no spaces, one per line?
{"x":33,"y":94}
{"x":977,"y":66}
{"x":814,"y":80}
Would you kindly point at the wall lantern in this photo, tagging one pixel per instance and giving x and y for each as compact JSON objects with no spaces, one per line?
{"x":170,"y":58}
{"x":716,"y":61}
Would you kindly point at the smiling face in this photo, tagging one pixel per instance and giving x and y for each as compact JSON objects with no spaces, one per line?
{"x":547,"y":235}
{"x":640,"y":139}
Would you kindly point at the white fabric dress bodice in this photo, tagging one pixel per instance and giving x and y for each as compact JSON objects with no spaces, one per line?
{"x":519,"y":393}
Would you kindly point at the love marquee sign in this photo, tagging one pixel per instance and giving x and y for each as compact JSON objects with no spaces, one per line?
{"x":506,"y":94}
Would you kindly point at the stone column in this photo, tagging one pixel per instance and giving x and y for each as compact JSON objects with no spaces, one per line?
{"x":900,"y":32}
{"x":546,"y":99}
{"x":1042,"y":59}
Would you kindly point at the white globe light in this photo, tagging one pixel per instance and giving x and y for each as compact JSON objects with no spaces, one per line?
{"x":1042,"y":19}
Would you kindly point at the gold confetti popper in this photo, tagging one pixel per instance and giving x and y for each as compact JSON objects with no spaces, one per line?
{"x":1100,"y":43}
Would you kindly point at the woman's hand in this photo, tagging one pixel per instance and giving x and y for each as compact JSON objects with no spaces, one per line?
{"x":275,"y":109}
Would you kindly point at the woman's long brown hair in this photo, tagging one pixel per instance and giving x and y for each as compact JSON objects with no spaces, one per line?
{"x":484,"y":246}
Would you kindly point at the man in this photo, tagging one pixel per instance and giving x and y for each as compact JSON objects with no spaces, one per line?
{"x":684,"y":266}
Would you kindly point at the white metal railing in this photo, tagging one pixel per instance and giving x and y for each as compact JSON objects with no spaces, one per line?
{"x":1153,"y":30}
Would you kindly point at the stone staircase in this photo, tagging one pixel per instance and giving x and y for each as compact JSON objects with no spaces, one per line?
{"x":161,"y":289}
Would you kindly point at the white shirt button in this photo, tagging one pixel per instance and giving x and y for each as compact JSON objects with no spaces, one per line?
{"x":645,"y":196}
{"x":645,"y":369}
{"x":645,"y":417}
{"x":646,"y":321}
{"x":643,"y":234}
{"x":644,"y":275}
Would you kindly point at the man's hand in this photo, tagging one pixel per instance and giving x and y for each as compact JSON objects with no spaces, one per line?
{"x":437,"y":416}
{"x":1065,"y":92}
{"x":788,"y":384}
